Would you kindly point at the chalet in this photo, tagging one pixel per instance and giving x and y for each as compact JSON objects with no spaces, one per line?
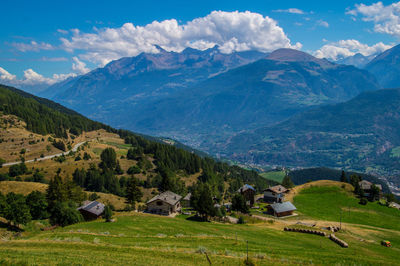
{"x":91,"y":210}
{"x":186,"y":200}
{"x":366,"y":186}
{"x":248,"y":193}
{"x":166,"y":203}
{"x":275,"y":194}
{"x":281,"y":209}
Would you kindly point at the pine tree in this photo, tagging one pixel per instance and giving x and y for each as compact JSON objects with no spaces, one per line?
{"x":343,"y":177}
{"x":133,"y":192}
{"x":287,"y":182}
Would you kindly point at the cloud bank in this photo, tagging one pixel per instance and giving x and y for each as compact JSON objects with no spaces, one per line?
{"x":231,"y":31}
{"x":344,"y":48}
{"x":386,"y":19}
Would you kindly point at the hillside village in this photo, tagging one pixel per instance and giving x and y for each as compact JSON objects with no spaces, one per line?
{"x":115,"y":179}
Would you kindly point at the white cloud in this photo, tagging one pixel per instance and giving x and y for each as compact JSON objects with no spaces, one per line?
{"x":79,"y":66}
{"x":386,"y":19}
{"x":232,"y":31}
{"x":291,"y":11}
{"x":32,"y":46}
{"x":32,"y":78}
{"x":62,"y":31}
{"x":345,"y":48}
{"x":4,"y":75}
{"x":323,"y":23}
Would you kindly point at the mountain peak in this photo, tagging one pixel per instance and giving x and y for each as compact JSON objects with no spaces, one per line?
{"x":287,"y":54}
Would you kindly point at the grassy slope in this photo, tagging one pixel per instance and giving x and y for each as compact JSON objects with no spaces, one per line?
{"x":274,"y":175}
{"x":326,"y":203}
{"x":148,"y":239}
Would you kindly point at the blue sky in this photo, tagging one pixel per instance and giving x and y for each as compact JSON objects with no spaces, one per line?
{"x":41,"y":38}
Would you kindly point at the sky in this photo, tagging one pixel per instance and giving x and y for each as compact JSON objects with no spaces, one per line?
{"x":44,"y":42}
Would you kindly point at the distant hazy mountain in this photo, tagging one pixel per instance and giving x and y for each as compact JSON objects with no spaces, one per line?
{"x":361,"y":134}
{"x":194,"y":97}
{"x":357,"y":60}
{"x":386,"y":67}
{"x":129,"y":81}
{"x":258,"y":94}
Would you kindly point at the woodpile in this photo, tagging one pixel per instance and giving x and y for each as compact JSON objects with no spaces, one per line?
{"x":338,"y":241}
{"x":306,"y":231}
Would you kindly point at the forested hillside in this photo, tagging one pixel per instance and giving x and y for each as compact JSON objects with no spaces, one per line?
{"x":43,"y":116}
{"x":152,"y":163}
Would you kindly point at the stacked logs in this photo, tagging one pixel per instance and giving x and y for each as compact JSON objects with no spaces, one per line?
{"x":338,"y":241}
{"x":307,"y":231}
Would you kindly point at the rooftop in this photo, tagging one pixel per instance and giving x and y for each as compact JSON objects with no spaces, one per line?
{"x":277,"y":189}
{"x":246,"y":187}
{"x":283,"y":207}
{"x":168,"y":197}
{"x":94,"y":207}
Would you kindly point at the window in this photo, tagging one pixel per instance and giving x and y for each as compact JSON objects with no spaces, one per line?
{"x":159,"y":203}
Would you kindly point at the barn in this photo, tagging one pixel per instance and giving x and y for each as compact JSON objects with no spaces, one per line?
{"x":91,"y":210}
{"x":281,"y":209}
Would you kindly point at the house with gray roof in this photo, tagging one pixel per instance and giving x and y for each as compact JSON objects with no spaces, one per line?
{"x":91,"y":210}
{"x":248,"y":193}
{"x":166,"y":203}
{"x":186,"y":200}
{"x":281,"y":209}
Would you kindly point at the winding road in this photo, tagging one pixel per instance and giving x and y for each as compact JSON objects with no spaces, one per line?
{"x":74,"y":149}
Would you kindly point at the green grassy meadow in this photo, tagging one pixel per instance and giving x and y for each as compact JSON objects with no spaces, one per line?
{"x":143,"y":239}
{"x":329,"y":203}
{"x":274,"y":175}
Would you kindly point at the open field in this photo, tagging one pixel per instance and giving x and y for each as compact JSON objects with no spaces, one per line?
{"x":146,"y":239}
{"x":149,"y":239}
{"x":274,"y":175}
{"x":331,"y":202}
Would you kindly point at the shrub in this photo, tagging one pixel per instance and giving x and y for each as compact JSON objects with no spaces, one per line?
{"x":107,"y":215}
{"x":363,"y":201}
{"x":241,"y":220}
{"x":65,"y":213}
{"x":93,"y":196}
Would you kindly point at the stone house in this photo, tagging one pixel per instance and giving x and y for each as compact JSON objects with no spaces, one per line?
{"x":275,"y":194}
{"x":166,"y":203}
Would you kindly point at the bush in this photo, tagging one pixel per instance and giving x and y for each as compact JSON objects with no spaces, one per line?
{"x":241,"y":220}
{"x":133,"y":170}
{"x":363,"y":201}
{"x":93,"y":196}
{"x":107,"y":215}
{"x":65,"y":213}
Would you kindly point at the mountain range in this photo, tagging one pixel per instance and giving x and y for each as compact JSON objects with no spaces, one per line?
{"x":283,"y":108}
{"x":199,"y":96}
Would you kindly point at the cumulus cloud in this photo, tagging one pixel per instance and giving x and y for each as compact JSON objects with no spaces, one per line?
{"x":5,"y":75}
{"x":386,"y":19}
{"x":31,"y":78}
{"x":346,"y":48}
{"x":79,"y":66}
{"x":32,"y":46}
{"x":291,"y":11}
{"x":231,"y":31}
